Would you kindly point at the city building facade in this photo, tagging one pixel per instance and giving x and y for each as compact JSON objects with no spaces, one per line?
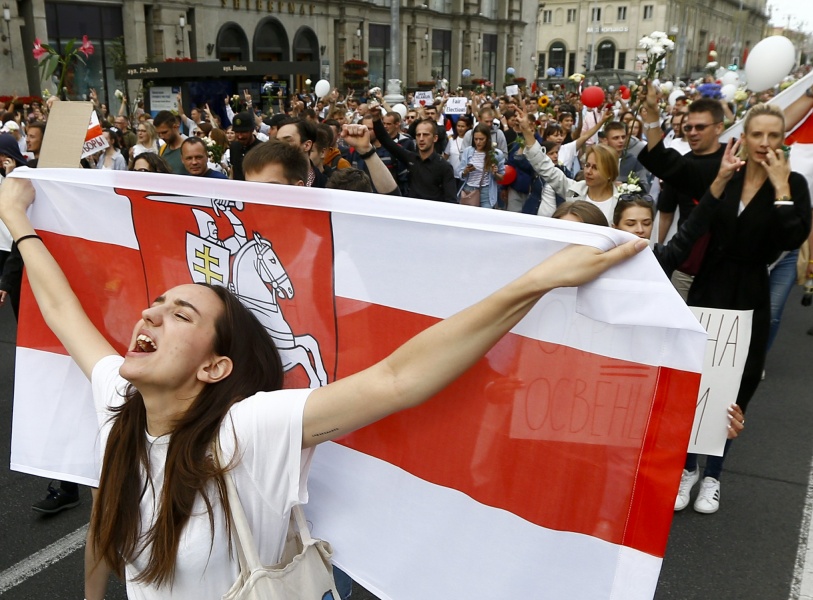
{"x":243,"y":43}
{"x":584,"y":35}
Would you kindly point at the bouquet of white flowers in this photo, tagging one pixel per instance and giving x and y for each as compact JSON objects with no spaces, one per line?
{"x":657,"y":44}
{"x":214,"y":150}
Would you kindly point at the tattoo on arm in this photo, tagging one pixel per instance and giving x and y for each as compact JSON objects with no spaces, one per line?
{"x":326,"y":432}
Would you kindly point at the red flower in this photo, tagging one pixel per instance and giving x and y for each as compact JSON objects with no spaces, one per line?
{"x":87,"y":47}
{"x":39,"y":51}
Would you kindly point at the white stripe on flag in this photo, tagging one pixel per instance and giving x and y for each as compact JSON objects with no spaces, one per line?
{"x":88,"y":212}
{"x":440,"y":272}
{"x":62,"y":405}
{"x":409,"y":509}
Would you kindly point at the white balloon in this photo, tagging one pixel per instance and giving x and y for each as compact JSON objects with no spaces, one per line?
{"x":728,"y":91}
{"x":769,"y":62}
{"x":667,"y":87}
{"x":730,"y":78}
{"x":322,"y":88}
{"x":401,"y":109}
{"x":674,"y":96}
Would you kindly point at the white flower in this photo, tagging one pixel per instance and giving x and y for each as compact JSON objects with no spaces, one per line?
{"x":646,"y":42}
{"x":658,"y":35}
{"x":308,"y":82}
{"x":119,"y":94}
{"x":656,"y":51}
{"x":668,"y":44}
{"x":629,"y":188}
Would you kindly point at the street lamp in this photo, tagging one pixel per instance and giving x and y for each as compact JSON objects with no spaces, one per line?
{"x":182,"y":24}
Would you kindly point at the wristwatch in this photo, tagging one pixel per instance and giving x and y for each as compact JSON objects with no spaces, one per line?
{"x":784,"y":201}
{"x":651,"y":125}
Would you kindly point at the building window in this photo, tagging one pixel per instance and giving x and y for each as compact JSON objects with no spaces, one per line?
{"x":104,"y":27}
{"x":306,"y":49}
{"x":622,"y":60}
{"x":541,"y":67}
{"x":596,"y":15}
{"x":442,"y":54}
{"x":622,"y":13}
{"x":379,"y":53}
{"x":271,"y":41}
{"x":571,"y":66}
{"x":571,"y":15}
{"x":648,"y":11}
{"x":232,"y":43}
{"x":547,"y":17}
{"x":605,"y":57}
{"x":558,"y":57}
{"x":489,"y":8}
{"x":490,"y":56}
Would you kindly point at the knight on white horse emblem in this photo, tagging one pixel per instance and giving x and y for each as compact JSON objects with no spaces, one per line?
{"x":258,"y":278}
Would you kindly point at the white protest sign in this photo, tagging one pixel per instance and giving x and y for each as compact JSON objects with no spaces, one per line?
{"x":423,"y":99}
{"x":456,"y":105}
{"x":729,"y":334}
{"x":94,"y":140}
{"x":163,"y":98}
{"x":512,"y":90}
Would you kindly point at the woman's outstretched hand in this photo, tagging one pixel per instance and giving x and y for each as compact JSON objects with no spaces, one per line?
{"x":577,"y":265}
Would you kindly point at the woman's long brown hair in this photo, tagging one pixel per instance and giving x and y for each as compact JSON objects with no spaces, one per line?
{"x":488,"y":162}
{"x":116,"y":522}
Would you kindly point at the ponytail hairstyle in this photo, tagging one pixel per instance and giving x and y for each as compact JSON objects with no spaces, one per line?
{"x":115,"y":521}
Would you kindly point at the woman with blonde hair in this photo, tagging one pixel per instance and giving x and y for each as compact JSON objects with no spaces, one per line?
{"x":600,"y":173}
{"x":764,"y":209}
{"x":147,"y":139}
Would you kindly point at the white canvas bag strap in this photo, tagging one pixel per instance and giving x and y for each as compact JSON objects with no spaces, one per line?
{"x":247,"y":554}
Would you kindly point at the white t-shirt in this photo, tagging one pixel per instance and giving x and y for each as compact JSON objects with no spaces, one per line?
{"x":606,"y":206}
{"x":270,"y":476}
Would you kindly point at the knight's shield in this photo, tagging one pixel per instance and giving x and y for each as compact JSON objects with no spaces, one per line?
{"x":208,"y":262}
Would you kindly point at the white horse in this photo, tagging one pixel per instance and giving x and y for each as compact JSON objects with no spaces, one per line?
{"x":255,"y":268}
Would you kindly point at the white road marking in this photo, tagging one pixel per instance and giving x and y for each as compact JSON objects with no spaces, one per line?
{"x":28,"y":567}
{"x":801,"y":587}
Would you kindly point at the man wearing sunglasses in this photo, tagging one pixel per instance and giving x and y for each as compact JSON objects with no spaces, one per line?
{"x":686,"y":177}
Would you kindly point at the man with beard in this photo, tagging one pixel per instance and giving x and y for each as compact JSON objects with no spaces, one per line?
{"x":244,"y":140}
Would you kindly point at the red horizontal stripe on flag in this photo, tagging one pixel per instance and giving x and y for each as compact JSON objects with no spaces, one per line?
{"x":537,"y":429}
{"x":803,"y":134}
{"x":109,"y":281}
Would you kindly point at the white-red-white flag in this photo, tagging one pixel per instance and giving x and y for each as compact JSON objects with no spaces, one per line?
{"x":548,"y":470}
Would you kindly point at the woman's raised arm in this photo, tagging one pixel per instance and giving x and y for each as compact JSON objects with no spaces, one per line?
{"x":434,"y":358}
{"x":59,"y":305}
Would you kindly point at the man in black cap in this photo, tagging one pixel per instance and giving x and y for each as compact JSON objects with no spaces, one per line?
{"x":270,"y":125}
{"x":244,"y":140}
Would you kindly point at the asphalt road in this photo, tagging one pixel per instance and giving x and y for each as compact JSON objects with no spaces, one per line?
{"x":748,"y":550}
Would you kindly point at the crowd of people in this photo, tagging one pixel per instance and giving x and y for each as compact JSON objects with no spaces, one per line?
{"x":742,"y":214}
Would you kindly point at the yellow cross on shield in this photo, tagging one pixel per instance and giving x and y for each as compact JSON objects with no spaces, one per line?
{"x":208,"y":261}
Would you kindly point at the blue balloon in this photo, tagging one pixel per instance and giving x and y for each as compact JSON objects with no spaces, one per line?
{"x":466,"y":73}
{"x":551,"y":72}
{"x":510,"y":70}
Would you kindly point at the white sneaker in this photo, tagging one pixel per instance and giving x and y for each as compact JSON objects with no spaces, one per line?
{"x":708,"y":498}
{"x":687,"y":481}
